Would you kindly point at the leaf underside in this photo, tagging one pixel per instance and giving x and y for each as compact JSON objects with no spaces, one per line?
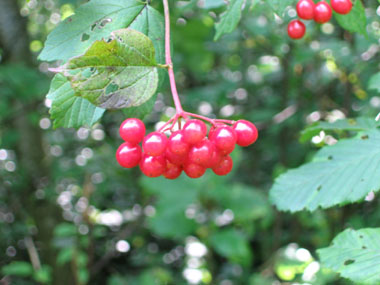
{"x":118,"y":73}
{"x":340,"y":174}
{"x":354,"y":255}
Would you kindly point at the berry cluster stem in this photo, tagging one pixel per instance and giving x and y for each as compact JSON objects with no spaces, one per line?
{"x":169,"y":62}
{"x":180,"y":113}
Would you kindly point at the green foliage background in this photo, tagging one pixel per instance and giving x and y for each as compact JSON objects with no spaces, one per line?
{"x":70,"y":215}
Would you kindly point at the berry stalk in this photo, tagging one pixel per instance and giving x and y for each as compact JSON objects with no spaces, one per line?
{"x":169,"y":62}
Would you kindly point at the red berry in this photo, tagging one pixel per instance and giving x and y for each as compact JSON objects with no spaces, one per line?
{"x":341,"y":6}
{"x":153,"y":166}
{"x":177,"y":144}
{"x":224,"y":139}
{"x":296,"y":29}
{"x":194,"y":170}
{"x":172,"y":171}
{"x":194,"y":131}
{"x":132,"y":130}
{"x":155,"y":143}
{"x":128,"y":155}
{"x":305,"y":9}
{"x":213,"y":129}
{"x":215,"y":159}
{"x":224,"y":167}
{"x":322,"y":12}
{"x":175,"y":158}
{"x":246,"y":132}
{"x":201,"y":153}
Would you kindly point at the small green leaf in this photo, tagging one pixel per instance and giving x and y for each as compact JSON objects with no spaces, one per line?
{"x":356,"y":125}
{"x":232,"y":245}
{"x":69,"y":111}
{"x":355,"y":21}
{"x":43,"y":275}
{"x":116,"y":74}
{"x":279,"y":6}
{"x":65,"y":230}
{"x":65,"y":255}
{"x":229,"y":19}
{"x":18,"y":268}
{"x":354,"y":255}
{"x":374,"y":82}
{"x":340,"y":174}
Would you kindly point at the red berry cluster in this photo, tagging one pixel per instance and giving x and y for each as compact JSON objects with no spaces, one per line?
{"x":320,"y":12}
{"x":188,"y":149}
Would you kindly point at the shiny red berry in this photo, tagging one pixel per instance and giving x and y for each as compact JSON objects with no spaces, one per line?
{"x":132,"y":130}
{"x":154,"y":144}
{"x":305,"y":9}
{"x":128,"y":155}
{"x":296,"y":29}
{"x":172,"y":171}
{"x":215,"y":159}
{"x":224,"y":167}
{"x":246,"y":132}
{"x":194,"y":131}
{"x":153,"y":166}
{"x":176,"y":158}
{"x":177,"y":144}
{"x":224,"y":138}
{"x":322,"y":12}
{"x":201,"y":153}
{"x":194,"y":170}
{"x":341,"y":6}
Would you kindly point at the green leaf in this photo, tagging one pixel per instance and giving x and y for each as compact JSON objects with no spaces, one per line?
{"x":65,"y":230}
{"x":142,"y":110}
{"x":115,"y":74}
{"x":65,"y":255}
{"x":340,"y":174}
{"x":354,"y":255}
{"x":18,"y":268}
{"x":43,"y":275}
{"x":96,"y":20}
{"x":355,"y":21}
{"x":15,"y":77}
{"x":232,"y":245}
{"x":374,"y":82}
{"x":356,"y":125}
{"x":229,"y":19}
{"x":173,"y":198}
{"x":69,"y":111}
{"x":279,"y":6}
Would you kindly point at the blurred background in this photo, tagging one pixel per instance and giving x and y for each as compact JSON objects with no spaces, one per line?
{"x":70,"y":215}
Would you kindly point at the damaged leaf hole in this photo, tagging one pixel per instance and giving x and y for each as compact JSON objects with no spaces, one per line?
{"x":100,"y":24}
{"x":319,"y":188}
{"x":349,"y":261}
{"x":364,"y":247}
{"x":365,"y":137}
{"x":330,"y":157}
{"x":111,"y":88}
{"x":85,"y":37}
